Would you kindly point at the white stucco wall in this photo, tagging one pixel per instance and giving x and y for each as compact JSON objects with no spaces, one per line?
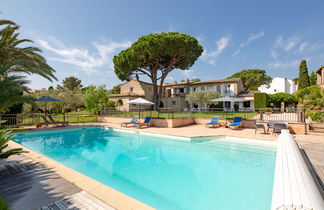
{"x":279,"y":85}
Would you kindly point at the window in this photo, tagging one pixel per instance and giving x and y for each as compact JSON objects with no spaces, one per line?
{"x":246,"y":104}
{"x":173,"y":102}
{"x":227,"y":104}
{"x":131,"y":89}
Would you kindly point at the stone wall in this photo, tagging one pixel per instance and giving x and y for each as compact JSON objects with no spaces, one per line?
{"x":294,"y":128}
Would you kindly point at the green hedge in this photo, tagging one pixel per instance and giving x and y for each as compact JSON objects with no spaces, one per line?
{"x":261,"y":100}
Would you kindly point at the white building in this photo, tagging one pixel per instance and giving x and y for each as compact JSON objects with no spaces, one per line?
{"x":279,"y":85}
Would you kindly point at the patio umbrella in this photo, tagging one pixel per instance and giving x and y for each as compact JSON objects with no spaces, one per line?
{"x":229,"y":99}
{"x":47,"y":99}
{"x":140,"y":102}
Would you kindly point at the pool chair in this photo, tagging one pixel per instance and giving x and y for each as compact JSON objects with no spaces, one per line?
{"x":132,"y":122}
{"x":146,"y":123}
{"x":237,"y":123}
{"x":45,"y":123}
{"x":278,"y":126}
{"x":214,"y":122}
{"x":63,"y":123}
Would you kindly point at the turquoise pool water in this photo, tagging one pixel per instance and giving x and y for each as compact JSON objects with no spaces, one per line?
{"x":207,"y":173}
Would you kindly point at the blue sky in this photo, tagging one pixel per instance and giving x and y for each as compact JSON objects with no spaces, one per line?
{"x":79,"y":38}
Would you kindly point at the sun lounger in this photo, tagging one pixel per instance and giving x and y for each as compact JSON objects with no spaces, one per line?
{"x":63,"y":123}
{"x":278,"y":126}
{"x":46,"y":122}
{"x":259,"y":126}
{"x":213,"y":123}
{"x":145,"y":123}
{"x":237,"y":123}
{"x":132,"y":122}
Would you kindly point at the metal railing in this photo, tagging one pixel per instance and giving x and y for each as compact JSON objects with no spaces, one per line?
{"x":287,"y":115}
{"x":15,"y":120}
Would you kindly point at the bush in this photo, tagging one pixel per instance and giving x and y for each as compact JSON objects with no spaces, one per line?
{"x":236,"y":107}
{"x":3,"y":205}
{"x":317,"y":116}
{"x":311,"y":92}
{"x":282,"y":97}
{"x":261,"y":100}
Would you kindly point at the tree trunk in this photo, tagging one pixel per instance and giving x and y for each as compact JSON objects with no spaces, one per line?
{"x":155,"y":95}
{"x":160,"y":92}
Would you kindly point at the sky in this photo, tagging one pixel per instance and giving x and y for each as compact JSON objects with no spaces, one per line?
{"x":80,"y":37}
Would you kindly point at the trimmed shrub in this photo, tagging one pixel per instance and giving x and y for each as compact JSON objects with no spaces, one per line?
{"x":261,"y":100}
{"x":303,"y":80}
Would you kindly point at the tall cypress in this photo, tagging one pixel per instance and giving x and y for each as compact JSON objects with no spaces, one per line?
{"x":303,"y":80}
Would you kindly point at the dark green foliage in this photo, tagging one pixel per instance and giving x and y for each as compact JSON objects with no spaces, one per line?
{"x":156,"y":55}
{"x":253,"y":78}
{"x":282,"y":97}
{"x":5,"y":137}
{"x":196,"y":79}
{"x":236,"y":107}
{"x":3,"y":205}
{"x":261,"y":100}
{"x":303,"y":79}
{"x":115,"y":89}
{"x":71,"y":83}
{"x":313,"y":79}
{"x":295,"y":80}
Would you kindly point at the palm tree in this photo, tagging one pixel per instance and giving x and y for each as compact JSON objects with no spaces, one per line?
{"x":5,"y":137}
{"x":12,"y":92}
{"x":15,"y":59}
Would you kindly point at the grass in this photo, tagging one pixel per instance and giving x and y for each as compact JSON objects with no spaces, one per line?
{"x":177,"y":115}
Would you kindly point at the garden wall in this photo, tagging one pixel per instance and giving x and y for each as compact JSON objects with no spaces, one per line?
{"x":294,"y":128}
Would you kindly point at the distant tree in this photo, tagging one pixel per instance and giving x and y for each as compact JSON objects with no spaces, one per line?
{"x":303,"y":79}
{"x":313,"y":79}
{"x":156,"y":55}
{"x":202,"y":98}
{"x":182,"y":80}
{"x":73,"y":99}
{"x":115,"y":89}
{"x":253,"y":78}
{"x":71,"y":83}
{"x":50,"y":88}
{"x":95,"y":99}
{"x":196,"y":79}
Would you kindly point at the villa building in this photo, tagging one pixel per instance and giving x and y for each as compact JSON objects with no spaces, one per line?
{"x":320,"y":77}
{"x":174,"y":94}
{"x":279,"y":85}
{"x":131,"y":90}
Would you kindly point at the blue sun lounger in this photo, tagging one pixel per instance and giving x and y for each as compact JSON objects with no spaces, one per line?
{"x":132,"y":122}
{"x":63,"y":123}
{"x":145,"y":123}
{"x":213,"y":123}
{"x":237,"y":122}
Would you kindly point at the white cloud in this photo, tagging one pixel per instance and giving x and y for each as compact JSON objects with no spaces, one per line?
{"x":274,"y":54}
{"x":288,"y":64}
{"x":210,"y":56}
{"x":289,"y":44}
{"x":88,"y":61}
{"x":250,"y":39}
{"x":302,"y":46}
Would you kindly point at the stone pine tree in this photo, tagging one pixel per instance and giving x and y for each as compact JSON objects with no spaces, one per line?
{"x":303,"y":80}
{"x":156,"y":55}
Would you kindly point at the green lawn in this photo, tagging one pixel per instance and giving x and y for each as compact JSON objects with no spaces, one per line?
{"x":176,"y":115}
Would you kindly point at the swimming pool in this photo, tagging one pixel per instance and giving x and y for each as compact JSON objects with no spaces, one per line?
{"x":165,"y":172}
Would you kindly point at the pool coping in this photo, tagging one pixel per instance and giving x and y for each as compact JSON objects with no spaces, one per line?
{"x":110,"y":196}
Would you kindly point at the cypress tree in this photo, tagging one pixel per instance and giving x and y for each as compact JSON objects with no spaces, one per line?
{"x":303,"y":80}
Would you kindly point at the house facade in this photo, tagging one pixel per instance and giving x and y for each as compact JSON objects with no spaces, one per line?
{"x":320,"y":77}
{"x":279,"y":85}
{"x":131,"y":90}
{"x":174,"y":95}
